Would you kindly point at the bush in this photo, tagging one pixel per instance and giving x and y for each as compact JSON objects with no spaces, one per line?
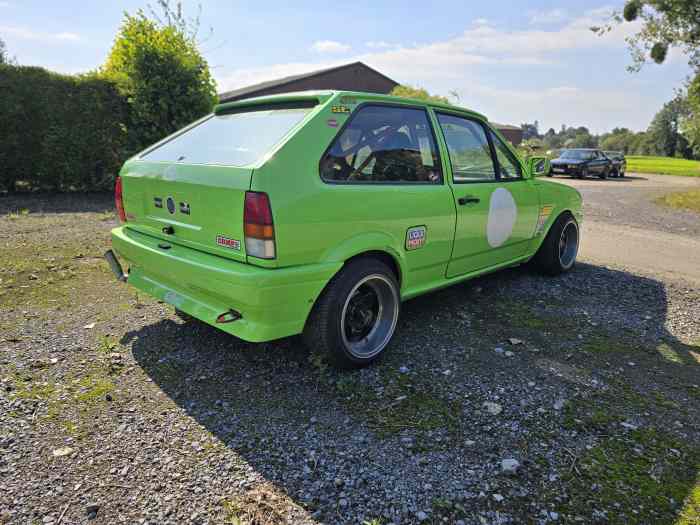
{"x":59,"y":132}
{"x":162,"y":74}
{"x":419,"y":93}
{"x":72,"y":133}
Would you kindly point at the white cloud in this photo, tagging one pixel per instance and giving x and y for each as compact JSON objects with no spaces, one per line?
{"x":455,"y":58}
{"x":28,"y":34}
{"x":598,"y":109}
{"x":329,"y":46}
{"x":67,"y":36}
{"x":380,"y":44}
{"x":246,"y":77}
{"x":552,"y":16}
{"x":603,"y":12}
{"x":481,"y":22}
{"x":459,"y":63}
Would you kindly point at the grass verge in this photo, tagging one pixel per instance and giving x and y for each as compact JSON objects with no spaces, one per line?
{"x":663,"y":166}
{"x":642,"y":476}
{"x":685,"y":200}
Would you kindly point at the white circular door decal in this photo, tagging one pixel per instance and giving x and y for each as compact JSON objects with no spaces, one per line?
{"x":502,"y":215}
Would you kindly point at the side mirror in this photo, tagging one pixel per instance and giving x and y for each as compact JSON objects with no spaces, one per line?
{"x":537,"y":166}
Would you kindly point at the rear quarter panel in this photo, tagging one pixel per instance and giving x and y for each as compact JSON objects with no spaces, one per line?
{"x":320,"y":222}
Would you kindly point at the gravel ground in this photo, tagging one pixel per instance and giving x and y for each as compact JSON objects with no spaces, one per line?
{"x":509,"y":399}
{"x":630,"y":200}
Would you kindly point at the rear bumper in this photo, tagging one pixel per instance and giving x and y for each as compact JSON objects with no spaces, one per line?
{"x":273,"y":303}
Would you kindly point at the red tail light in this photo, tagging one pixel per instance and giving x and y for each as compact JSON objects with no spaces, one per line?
{"x":118,"y":200}
{"x":258,"y":226}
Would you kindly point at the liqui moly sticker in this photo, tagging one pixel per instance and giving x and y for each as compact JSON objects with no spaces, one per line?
{"x":415,"y":237}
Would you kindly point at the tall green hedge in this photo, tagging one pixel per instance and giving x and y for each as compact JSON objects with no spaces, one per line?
{"x":59,"y":132}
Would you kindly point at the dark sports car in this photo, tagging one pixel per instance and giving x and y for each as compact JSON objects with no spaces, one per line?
{"x":582,"y":163}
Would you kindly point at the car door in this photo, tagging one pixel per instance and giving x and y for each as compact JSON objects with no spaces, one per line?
{"x":384,"y":183}
{"x":600,"y":162}
{"x":497,"y":208}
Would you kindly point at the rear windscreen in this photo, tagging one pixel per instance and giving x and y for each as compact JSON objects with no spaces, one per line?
{"x":235,"y":139}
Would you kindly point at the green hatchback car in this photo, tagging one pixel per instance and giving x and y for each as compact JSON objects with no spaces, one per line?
{"x":318,"y":213}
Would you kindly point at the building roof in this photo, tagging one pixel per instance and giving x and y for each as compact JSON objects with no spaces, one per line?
{"x":251,"y":90}
{"x":506,"y":126}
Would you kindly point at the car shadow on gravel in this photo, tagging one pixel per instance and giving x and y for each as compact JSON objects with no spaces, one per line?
{"x":512,"y":365}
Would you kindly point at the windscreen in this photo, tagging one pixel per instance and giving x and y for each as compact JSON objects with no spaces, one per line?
{"x":235,"y":139}
{"x":575,"y":154}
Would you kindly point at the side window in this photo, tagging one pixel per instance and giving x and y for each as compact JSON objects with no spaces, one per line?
{"x":508,"y":164}
{"x":470,"y":154}
{"x":384,"y":144}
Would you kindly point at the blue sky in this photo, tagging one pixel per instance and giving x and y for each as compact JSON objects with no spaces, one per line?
{"x":515,"y":61}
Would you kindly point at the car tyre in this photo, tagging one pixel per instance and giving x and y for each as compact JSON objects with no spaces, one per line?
{"x":558,"y":251}
{"x":605,"y":173}
{"x":356,"y":315}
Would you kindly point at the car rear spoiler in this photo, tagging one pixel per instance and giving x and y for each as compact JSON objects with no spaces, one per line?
{"x":284,"y":101}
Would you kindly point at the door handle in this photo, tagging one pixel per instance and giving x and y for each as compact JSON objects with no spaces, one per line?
{"x":468,"y":200}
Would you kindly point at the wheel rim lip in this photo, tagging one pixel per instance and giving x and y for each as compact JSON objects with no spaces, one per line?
{"x":384,"y":324}
{"x":569,"y":238}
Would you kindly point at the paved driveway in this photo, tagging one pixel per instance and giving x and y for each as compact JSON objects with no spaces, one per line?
{"x":624,"y":226}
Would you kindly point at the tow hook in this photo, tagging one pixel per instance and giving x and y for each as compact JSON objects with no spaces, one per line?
{"x":115,"y":266}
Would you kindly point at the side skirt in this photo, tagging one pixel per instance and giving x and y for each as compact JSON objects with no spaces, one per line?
{"x":444,"y":283}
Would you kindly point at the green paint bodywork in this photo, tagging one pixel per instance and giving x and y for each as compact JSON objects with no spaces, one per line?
{"x":318,"y":226}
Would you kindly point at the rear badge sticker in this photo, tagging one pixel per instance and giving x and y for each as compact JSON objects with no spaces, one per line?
{"x":332,"y":122}
{"x":415,"y":237}
{"x":234,"y":244}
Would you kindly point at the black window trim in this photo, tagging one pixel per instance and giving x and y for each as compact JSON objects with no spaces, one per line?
{"x":485,"y":128}
{"x":489,"y":132}
{"x":508,"y":154}
{"x":357,"y":109}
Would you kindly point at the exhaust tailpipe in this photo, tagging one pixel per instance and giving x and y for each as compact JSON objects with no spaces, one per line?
{"x":115,"y":266}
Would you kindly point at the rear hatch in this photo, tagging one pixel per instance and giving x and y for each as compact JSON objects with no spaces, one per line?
{"x":197,"y":206}
{"x":190,"y":188}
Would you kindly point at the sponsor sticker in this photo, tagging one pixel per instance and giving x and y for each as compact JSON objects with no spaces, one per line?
{"x":415,"y":237}
{"x":340,"y":109}
{"x":332,"y":122}
{"x":234,"y":244}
